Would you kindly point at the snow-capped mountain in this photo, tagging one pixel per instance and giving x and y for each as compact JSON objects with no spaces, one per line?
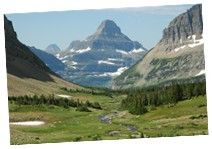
{"x":101,"y":56}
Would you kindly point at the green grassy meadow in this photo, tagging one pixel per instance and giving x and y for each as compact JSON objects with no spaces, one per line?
{"x":186,"y":118}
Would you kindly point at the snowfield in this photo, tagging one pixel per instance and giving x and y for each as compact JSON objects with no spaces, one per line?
{"x":106,"y":62}
{"x":115,"y":59}
{"x":73,"y":63}
{"x":136,"y":51}
{"x":28,"y":123}
{"x":196,"y":43}
{"x":113,"y":74}
{"x":64,"y":61}
{"x":62,"y":58}
{"x":177,"y":49}
{"x":57,"y":56}
{"x":122,"y":52}
{"x":63,"y":96}
{"x":201,"y":72}
{"x":191,"y":45}
{"x":83,"y":50}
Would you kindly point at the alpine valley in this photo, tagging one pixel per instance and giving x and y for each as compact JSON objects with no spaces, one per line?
{"x":108,"y":87}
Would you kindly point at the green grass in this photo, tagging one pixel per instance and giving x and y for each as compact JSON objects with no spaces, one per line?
{"x":63,"y":125}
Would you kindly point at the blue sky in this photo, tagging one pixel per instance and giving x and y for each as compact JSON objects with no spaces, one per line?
{"x":143,"y":24}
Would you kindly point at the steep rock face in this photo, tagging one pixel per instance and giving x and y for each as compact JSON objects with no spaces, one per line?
{"x":102,"y":56}
{"x":178,"y":55}
{"x":181,"y":29}
{"x":52,"y":49}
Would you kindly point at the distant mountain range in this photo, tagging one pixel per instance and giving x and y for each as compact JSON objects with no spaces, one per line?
{"x":101,"y":56}
{"x":50,"y":60}
{"x":178,"y":55}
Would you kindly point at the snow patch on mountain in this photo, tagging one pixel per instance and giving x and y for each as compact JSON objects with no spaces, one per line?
{"x":114,"y":74}
{"x":122,"y":52}
{"x":64,"y":61}
{"x":83,"y":50}
{"x":115,"y":59}
{"x":62,"y":58}
{"x":179,"y":48}
{"x":74,"y":67}
{"x":106,"y":62}
{"x":191,"y":45}
{"x":136,"y":51}
{"x":71,"y":50}
{"x":201,"y":72}
{"x":57,"y":56}
{"x":73,"y":63}
{"x":196,"y":43}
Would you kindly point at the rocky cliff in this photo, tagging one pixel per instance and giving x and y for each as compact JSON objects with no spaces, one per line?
{"x":183,"y":27}
{"x":178,"y":55}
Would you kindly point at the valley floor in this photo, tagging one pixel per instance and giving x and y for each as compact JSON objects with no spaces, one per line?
{"x":186,"y":118}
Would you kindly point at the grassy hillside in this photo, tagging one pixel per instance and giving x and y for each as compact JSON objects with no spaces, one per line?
{"x":28,"y":86}
{"x":187,"y":117}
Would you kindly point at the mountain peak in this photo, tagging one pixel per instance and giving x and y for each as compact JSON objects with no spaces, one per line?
{"x":52,"y":49}
{"x":108,"y":27}
{"x":107,"y":36}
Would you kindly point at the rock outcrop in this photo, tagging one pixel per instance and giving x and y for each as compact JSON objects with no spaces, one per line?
{"x":183,"y":27}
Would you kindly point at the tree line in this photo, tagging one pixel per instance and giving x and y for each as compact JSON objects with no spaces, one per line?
{"x":93,"y":91}
{"x":138,"y":100}
{"x":52,"y":100}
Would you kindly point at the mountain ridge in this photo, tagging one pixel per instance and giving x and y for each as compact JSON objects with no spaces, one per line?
{"x":178,"y":55}
{"x":104,"y":37}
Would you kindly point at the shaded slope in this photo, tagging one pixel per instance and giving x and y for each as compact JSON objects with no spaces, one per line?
{"x":50,"y":60}
{"x":26,"y":73}
{"x":21,"y":61}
